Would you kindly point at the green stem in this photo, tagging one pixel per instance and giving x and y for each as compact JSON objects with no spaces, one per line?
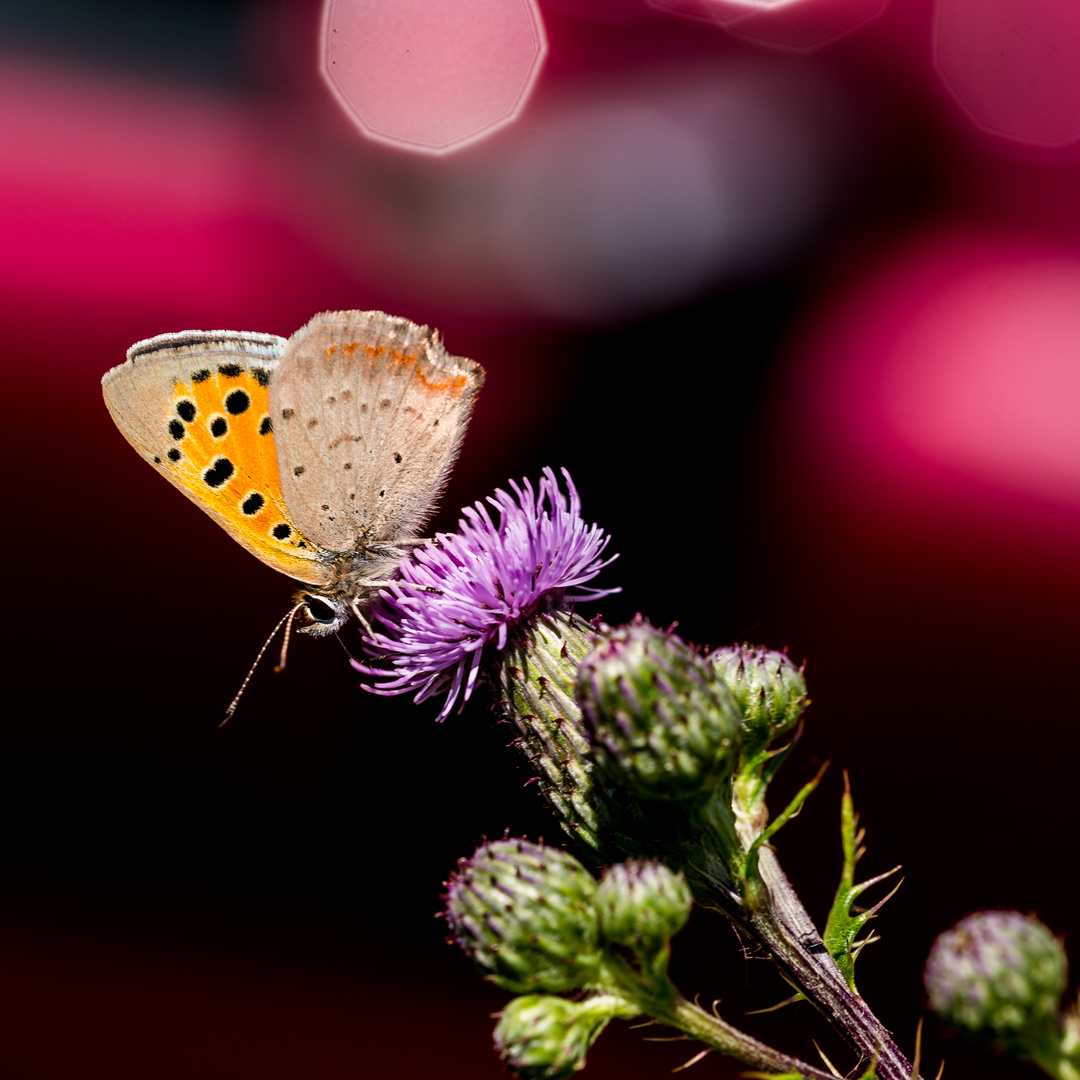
{"x":660,"y":999}
{"x":795,"y":944}
{"x":1059,"y":1054}
{"x":778,"y":918}
{"x":1060,"y":1068}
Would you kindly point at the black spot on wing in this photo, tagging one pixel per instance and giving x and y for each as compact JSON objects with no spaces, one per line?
{"x":219,"y":426}
{"x":230,"y":371}
{"x":174,"y":455}
{"x":218,"y":473}
{"x":281,"y":532}
{"x":176,"y":429}
{"x":185,"y":409}
{"x":252,"y":504}
{"x":261,"y":376}
{"x":265,"y":427}
{"x":201,"y":375}
{"x":237,"y":402}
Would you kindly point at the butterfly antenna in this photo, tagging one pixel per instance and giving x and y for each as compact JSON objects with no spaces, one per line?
{"x":286,"y":618}
{"x":280,"y":665}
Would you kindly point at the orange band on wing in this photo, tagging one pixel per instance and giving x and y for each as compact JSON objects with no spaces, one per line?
{"x":223,"y":453}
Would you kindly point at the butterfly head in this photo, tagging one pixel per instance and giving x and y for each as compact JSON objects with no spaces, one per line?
{"x":324,"y":614}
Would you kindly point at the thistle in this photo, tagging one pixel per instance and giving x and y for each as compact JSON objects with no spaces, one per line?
{"x":495,"y":599}
{"x":999,"y":976}
{"x":659,"y":721}
{"x":645,"y":749}
{"x":533,"y":918}
{"x":467,"y":594}
{"x":524,"y":913}
{"x":540,"y":1037}
{"x":768,"y":688}
{"x":641,"y":906}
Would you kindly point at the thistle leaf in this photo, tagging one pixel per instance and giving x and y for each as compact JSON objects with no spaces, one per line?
{"x":844,"y":924}
{"x":790,"y":811}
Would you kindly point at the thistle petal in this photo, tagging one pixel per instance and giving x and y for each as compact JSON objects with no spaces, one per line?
{"x":467,"y":590}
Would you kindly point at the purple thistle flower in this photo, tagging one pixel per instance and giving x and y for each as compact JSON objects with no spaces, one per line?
{"x":469,"y":589}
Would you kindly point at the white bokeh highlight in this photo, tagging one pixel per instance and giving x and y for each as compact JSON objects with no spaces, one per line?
{"x":623,"y":194}
{"x":616,"y":12}
{"x":790,"y":25}
{"x":631,"y":199}
{"x":431,"y":75}
{"x":1013,"y":66}
{"x":616,"y":207}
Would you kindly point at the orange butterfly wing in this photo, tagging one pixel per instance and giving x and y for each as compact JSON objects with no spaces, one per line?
{"x":196,"y":406}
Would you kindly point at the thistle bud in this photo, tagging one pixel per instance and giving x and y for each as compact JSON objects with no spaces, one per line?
{"x":525,"y":914}
{"x":769,"y":689}
{"x":998,"y":975}
{"x":535,"y":682}
{"x":546,"y":1038}
{"x":642,"y":905}
{"x":660,"y":721}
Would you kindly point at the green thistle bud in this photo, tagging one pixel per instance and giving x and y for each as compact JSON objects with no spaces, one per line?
{"x":546,"y":1038}
{"x":642,"y":905}
{"x":769,"y":688}
{"x":535,"y":682}
{"x":525,"y":913}
{"x":660,"y":721}
{"x":998,"y":975}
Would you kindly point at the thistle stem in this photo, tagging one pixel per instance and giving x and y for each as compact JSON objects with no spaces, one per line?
{"x":663,"y":1002}
{"x":714,"y":1032}
{"x":782,"y":924}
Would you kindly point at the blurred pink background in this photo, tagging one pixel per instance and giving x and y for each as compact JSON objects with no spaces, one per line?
{"x":793,"y":290}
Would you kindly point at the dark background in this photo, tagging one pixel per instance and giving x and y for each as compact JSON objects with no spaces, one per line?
{"x":179,"y":899}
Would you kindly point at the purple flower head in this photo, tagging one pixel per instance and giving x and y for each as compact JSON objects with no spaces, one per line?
{"x":469,"y":589}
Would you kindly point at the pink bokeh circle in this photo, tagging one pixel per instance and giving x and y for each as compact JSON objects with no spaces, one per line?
{"x":954,"y":367}
{"x":431,"y":75}
{"x":1013,"y":66}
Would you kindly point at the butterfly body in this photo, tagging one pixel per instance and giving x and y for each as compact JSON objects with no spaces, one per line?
{"x":317,"y":452}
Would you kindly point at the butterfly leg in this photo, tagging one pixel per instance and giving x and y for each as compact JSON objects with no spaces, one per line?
{"x":355,"y":603}
{"x":361,"y":618}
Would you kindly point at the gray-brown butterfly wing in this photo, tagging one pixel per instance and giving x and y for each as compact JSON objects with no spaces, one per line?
{"x":195,"y":405}
{"x":369,"y":413}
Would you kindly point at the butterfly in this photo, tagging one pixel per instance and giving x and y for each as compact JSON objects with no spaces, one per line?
{"x":323,"y":454}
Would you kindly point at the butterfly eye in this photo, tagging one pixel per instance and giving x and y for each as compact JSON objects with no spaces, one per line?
{"x":319,"y":611}
{"x":325,"y":614}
